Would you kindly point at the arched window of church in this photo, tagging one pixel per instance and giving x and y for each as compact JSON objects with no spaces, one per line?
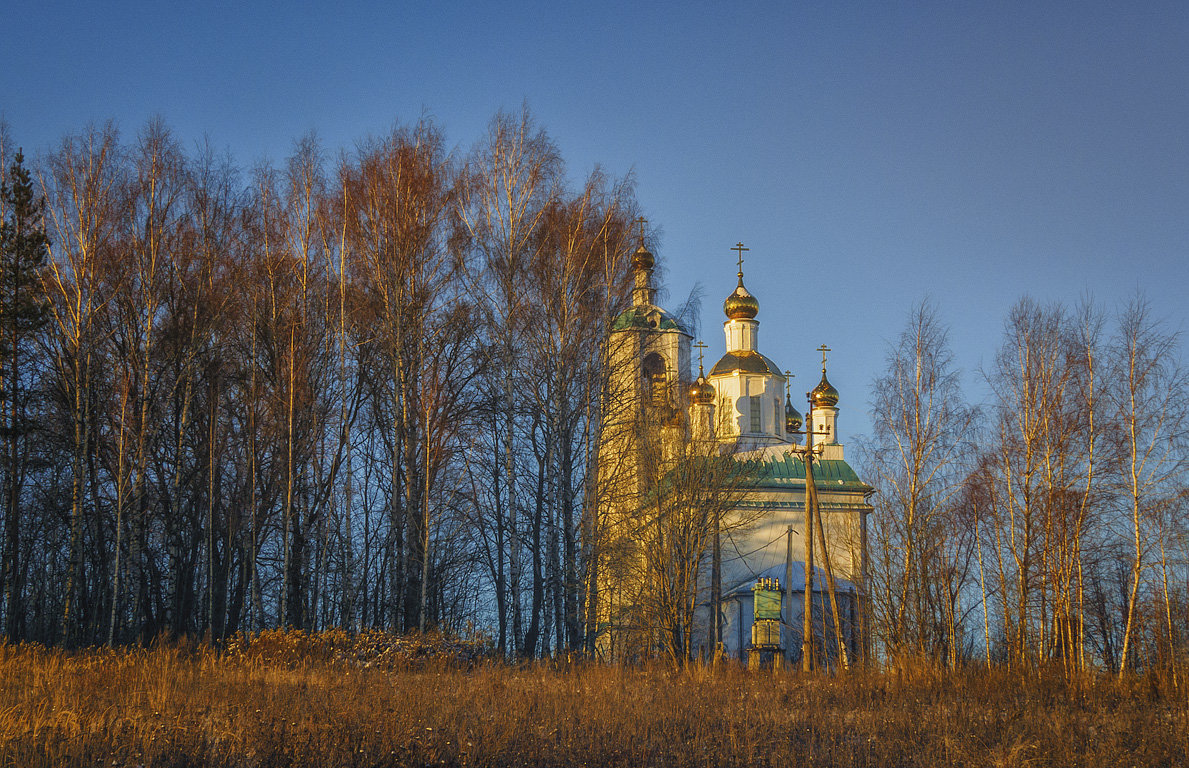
{"x":656,"y":389}
{"x":755,"y":413}
{"x":776,"y":416}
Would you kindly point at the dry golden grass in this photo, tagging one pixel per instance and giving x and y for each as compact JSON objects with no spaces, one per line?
{"x":285,"y":706}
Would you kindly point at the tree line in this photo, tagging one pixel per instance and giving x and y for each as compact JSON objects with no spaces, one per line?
{"x":368,"y":391}
{"x":1048,"y":525}
{"x":359,"y":392}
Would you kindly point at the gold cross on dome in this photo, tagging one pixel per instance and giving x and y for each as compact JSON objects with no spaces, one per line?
{"x":824,"y":349}
{"x":740,"y":248}
{"x":640,"y":222}
{"x":788,"y":376}
{"x":700,"y":346}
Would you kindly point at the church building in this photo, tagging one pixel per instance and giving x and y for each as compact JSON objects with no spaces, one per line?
{"x":702,"y":495}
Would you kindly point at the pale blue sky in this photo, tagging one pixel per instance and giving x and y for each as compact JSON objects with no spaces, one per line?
{"x":866,"y":153}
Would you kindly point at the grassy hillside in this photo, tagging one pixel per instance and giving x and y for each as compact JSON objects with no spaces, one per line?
{"x":292,"y":700}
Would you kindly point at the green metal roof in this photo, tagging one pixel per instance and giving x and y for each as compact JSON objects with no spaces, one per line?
{"x":782,"y":473}
{"x":828,"y":474}
{"x":646,"y":318}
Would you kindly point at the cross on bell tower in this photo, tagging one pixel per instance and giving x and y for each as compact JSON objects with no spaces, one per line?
{"x":642,"y":264}
{"x":640,"y":222}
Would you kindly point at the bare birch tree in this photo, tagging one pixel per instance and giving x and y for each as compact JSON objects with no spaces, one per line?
{"x":397,"y":208}
{"x":84,"y":185}
{"x":509,"y":180}
{"x":918,"y":460}
{"x":1149,"y":394}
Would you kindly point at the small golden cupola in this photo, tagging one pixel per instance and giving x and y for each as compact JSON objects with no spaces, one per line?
{"x":823,"y":406}
{"x":792,"y":418}
{"x":702,"y":395}
{"x":824,"y":395}
{"x":701,"y":392}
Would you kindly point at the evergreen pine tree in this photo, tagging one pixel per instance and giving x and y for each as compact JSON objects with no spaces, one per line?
{"x":23,"y":312}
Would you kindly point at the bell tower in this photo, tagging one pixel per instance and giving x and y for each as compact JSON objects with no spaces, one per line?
{"x":643,"y":419}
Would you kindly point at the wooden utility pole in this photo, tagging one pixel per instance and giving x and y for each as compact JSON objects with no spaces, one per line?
{"x":810,"y":508}
{"x":787,"y":603}
{"x":810,"y":504}
{"x":840,"y":640}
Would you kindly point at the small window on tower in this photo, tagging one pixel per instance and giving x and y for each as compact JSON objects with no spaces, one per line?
{"x":755,"y":413}
{"x":776,"y":416}
{"x":656,"y":390}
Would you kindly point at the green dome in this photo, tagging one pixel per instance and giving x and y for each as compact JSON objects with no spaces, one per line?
{"x":646,"y":318}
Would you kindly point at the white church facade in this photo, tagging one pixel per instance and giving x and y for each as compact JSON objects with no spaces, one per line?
{"x":740,"y":411}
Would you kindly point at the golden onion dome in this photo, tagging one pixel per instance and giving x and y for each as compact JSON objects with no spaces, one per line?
{"x":741,"y":304}
{"x":792,"y":419}
{"x":702,"y":392}
{"x":824,"y":395}
{"x":642,"y":258}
